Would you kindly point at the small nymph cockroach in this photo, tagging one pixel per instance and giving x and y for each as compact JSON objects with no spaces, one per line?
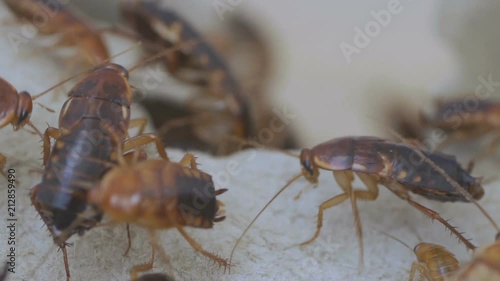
{"x":160,"y":194}
{"x":434,"y":262}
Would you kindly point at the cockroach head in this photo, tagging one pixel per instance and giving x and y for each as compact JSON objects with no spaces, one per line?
{"x":309,"y":169}
{"x":118,"y":68}
{"x":24,"y":109}
{"x":476,"y":189}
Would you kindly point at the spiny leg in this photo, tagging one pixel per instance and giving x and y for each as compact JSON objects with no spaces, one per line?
{"x":370,"y":194}
{"x":329,"y":204}
{"x":36,"y":129}
{"x":197,"y":247}
{"x":144,"y":139}
{"x":424,"y":272}
{"x":134,"y":272}
{"x":50,"y":132}
{"x":325,"y":205}
{"x":189,"y":161}
{"x":435,"y":216}
{"x":66,"y":263}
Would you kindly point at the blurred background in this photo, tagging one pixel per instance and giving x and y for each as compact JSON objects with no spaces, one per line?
{"x":425,"y":49}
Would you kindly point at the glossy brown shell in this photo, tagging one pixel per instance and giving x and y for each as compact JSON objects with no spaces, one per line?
{"x":440,"y":262}
{"x":92,"y":120}
{"x":8,"y":98}
{"x":157,"y":194}
{"x":399,"y":162}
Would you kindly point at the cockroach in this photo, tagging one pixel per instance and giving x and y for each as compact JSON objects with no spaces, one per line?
{"x":251,"y":51}
{"x":463,"y":121}
{"x":16,"y":107}
{"x":222,"y":108}
{"x":92,"y":123}
{"x":160,"y":194}
{"x":154,"y":277}
{"x":397,"y":166}
{"x":434,"y":262}
{"x":57,"y":19}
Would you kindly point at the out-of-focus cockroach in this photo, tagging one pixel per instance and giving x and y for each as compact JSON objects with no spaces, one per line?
{"x":54,"y":18}
{"x":462,"y":120}
{"x":434,"y":262}
{"x":395,"y":165}
{"x":222,"y":108}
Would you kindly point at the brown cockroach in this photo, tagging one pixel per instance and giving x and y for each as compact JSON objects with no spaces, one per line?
{"x":160,"y":194}
{"x":245,"y":41}
{"x":16,"y":108}
{"x":92,"y":123}
{"x":461,"y":120}
{"x":54,"y":18}
{"x":222,"y":108}
{"x":397,"y":166}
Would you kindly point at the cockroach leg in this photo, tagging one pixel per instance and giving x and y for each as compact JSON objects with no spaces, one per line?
{"x":134,"y":272}
{"x":399,"y":190}
{"x":189,"y":161}
{"x":129,"y":245}
{"x":139,"y":123}
{"x":344,"y":179}
{"x":144,"y":139}
{"x":50,"y":132}
{"x":197,"y":247}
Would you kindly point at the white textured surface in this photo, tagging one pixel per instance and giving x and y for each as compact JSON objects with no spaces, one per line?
{"x":263,"y":254}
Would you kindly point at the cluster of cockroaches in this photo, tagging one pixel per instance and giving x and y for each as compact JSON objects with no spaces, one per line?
{"x":95,"y":168}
